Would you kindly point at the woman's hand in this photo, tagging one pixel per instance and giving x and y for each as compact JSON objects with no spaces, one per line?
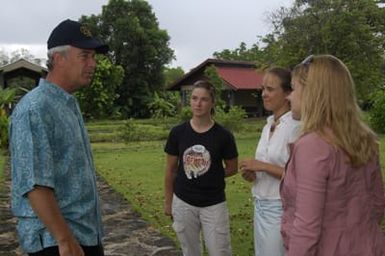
{"x":252,"y":165}
{"x":249,"y":167}
{"x":248,"y":176}
{"x":167,"y":210}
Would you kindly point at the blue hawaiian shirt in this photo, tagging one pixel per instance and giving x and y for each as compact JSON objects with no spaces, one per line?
{"x":50,"y":147}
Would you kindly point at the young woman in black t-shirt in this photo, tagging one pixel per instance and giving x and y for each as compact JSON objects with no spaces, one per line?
{"x":200,"y":154}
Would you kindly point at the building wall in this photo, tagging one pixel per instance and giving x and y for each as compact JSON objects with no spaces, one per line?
{"x":249,"y":100}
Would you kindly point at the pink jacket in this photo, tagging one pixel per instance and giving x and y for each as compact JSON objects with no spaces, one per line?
{"x":331,"y":208}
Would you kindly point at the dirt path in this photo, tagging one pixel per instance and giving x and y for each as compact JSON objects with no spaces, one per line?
{"x":126,"y":233}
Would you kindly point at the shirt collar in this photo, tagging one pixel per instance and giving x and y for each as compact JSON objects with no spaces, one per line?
{"x":283,"y":118}
{"x":56,"y":90}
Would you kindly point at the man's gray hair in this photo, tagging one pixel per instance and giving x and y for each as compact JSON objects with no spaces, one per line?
{"x":59,"y":49}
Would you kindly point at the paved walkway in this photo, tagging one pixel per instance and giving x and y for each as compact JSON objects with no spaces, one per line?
{"x":126,"y":233}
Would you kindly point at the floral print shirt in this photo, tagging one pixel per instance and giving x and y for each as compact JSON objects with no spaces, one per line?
{"x":50,"y":147}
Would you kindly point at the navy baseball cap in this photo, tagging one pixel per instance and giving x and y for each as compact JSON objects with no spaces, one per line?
{"x":73,"y":33}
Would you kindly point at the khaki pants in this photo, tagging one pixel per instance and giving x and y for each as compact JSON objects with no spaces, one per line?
{"x":214,"y":222}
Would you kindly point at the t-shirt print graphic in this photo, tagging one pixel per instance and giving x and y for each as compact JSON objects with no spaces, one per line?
{"x":196,"y":161}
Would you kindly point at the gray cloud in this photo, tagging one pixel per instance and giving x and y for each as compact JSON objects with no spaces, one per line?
{"x":197,"y":27}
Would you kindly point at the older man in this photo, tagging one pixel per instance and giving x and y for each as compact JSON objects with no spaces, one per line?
{"x":54,"y":194}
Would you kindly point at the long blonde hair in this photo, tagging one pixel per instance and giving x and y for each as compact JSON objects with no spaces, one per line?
{"x":329,"y":102}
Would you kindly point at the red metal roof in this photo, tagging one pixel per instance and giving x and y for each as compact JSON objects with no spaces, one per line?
{"x":239,"y":75}
{"x":240,"y":78}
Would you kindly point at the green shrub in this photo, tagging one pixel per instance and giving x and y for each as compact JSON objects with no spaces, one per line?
{"x":3,"y":130}
{"x":163,"y":105}
{"x":377,"y":112}
{"x":185,"y":114}
{"x":105,"y":137}
{"x":129,"y":132}
{"x":133,"y":131}
{"x":233,"y":119}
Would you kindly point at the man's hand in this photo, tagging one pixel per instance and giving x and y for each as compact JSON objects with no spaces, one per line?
{"x":70,"y":247}
{"x":45,"y":206}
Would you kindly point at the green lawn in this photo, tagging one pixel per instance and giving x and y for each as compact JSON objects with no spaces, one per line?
{"x":136,"y":170}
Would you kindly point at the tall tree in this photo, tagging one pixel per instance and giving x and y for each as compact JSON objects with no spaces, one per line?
{"x":97,"y":100}
{"x":17,"y":54}
{"x":242,"y":53}
{"x":352,"y":30}
{"x":4,"y":58}
{"x":171,"y":75}
{"x":138,"y":45}
{"x":21,"y":53}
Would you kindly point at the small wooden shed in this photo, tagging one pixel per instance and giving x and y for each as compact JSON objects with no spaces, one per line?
{"x":21,"y":68}
{"x":242,"y":84}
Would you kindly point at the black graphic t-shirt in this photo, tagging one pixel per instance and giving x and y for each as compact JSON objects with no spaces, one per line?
{"x":200,"y":179}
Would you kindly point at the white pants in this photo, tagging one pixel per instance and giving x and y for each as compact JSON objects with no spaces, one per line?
{"x":214,"y":222}
{"x":267,"y":228}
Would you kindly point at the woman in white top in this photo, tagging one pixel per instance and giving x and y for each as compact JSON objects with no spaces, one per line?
{"x":266,"y":169}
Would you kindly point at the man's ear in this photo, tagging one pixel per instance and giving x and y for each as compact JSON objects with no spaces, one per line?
{"x":59,"y":59}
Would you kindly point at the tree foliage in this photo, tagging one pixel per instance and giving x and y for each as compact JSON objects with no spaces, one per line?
{"x":164,"y":104}
{"x":253,"y":54}
{"x":7,"y":97}
{"x":97,"y":100}
{"x":22,"y":53}
{"x":4,"y":58}
{"x":230,"y":117}
{"x":377,"y":113}
{"x":217,"y":82}
{"x":172,"y":74}
{"x":138,"y":45}
{"x":352,"y":30}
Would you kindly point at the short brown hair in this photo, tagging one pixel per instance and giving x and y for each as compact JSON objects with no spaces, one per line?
{"x":284,"y":76}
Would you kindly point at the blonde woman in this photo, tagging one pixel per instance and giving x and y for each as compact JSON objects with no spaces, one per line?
{"x":332,"y":191}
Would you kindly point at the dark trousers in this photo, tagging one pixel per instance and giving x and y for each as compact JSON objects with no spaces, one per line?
{"x":54,"y":251}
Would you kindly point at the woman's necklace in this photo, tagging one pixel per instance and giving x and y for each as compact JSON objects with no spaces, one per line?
{"x":276,"y":122}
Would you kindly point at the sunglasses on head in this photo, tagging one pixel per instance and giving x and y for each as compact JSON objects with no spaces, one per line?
{"x":307,"y":61}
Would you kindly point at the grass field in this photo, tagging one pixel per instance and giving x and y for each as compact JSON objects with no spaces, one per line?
{"x":136,"y":171}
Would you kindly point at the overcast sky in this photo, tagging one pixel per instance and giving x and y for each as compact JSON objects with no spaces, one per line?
{"x":197,"y":28}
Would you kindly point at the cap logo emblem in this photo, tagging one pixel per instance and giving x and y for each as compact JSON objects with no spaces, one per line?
{"x":85,"y":31}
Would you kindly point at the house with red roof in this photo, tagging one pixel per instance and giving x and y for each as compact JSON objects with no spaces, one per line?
{"x":242,"y":84}
{"x":21,"y":68}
